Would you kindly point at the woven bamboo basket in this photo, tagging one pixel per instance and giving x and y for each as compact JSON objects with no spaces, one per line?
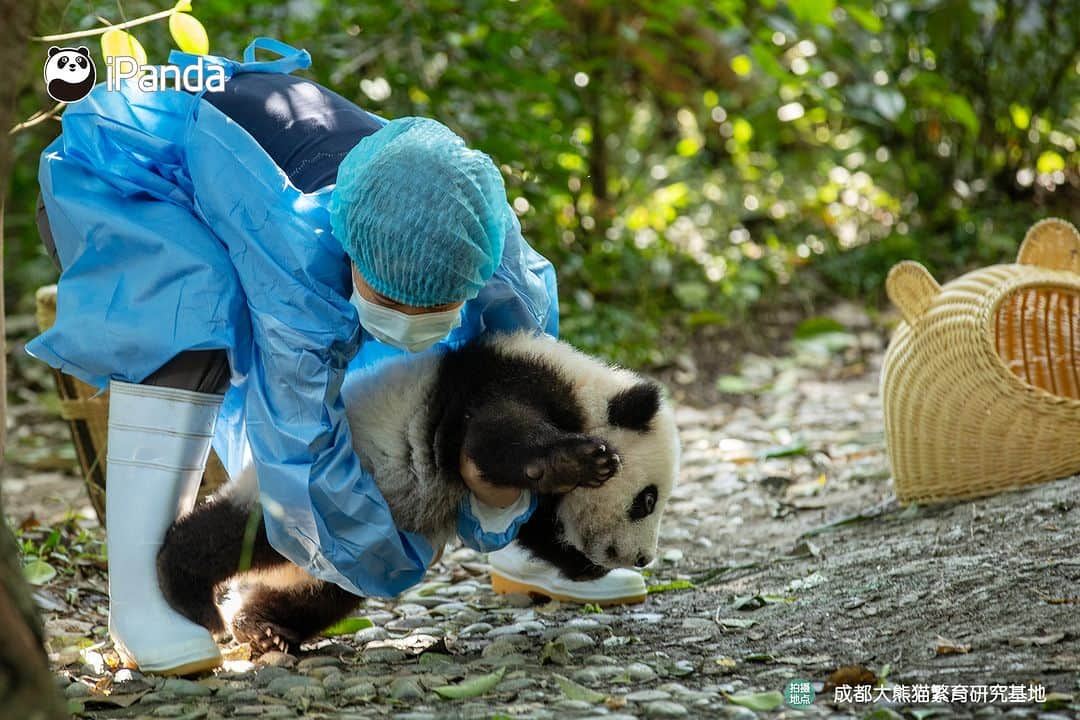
{"x":87,"y":413}
{"x":981,"y":381}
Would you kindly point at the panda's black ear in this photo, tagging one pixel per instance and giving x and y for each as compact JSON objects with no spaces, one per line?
{"x":635,"y":407}
{"x":82,"y":50}
{"x":53,"y":50}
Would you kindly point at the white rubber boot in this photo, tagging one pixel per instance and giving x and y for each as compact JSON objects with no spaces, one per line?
{"x":515,"y":570}
{"x":159,"y":439}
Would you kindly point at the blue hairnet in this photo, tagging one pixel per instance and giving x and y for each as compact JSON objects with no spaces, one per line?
{"x":423,"y":217}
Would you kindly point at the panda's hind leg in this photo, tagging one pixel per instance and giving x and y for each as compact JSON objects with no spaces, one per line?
{"x":281,"y":615}
{"x":205,"y":549}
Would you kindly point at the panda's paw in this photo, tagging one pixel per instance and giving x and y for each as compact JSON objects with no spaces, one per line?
{"x":263,"y":636}
{"x":574,"y":462}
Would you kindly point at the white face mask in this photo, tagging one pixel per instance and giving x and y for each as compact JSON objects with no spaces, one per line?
{"x":406,"y":332}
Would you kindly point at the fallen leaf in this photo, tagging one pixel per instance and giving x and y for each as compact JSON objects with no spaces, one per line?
{"x":853,"y":675}
{"x":753,"y":602}
{"x":883,"y":714}
{"x":666,"y":587}
{"x":762,"y":701}
{"x":1038,"y":640}
{"x":810,"y":581}
{"x":1056,"y":700}
{"x":578,"y":692}
{"x":802,"y":549}
{"x":122,"y":700}
{"x":411,"y":644}
{"x":348,"y":626}
{"x":739,"y":623}
{"x":556,"y":652}
{"x":759,"y":658}
{"x":471,"y":688}
{"x":239,"y":652}
{"x":437,"y":658}
{"x":38,"y":572}
{"x":948,"y":647}
{"x":782,"y":451}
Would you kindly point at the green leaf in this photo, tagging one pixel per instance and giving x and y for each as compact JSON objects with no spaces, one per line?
{"x":762,"y":701}
{"x":38,"y":572}
{"x":676,"y":585}
{"x":189,"y":34}
{"x":733,"y":384}
{"x":118,"y":42}
{"x":52,"y":541}
{"x":812,"y":327}
{"x":867,"y":18}
{"x":768,"y":62}
{"x":436,"y":658}
{"x":348,"y":626}
{"x":782,"y":451}
{"x":960,"y":110}
{"x":471,"y":688}
{"x":578,"y":692}
{"x":813,"y":11}
{"x":883,"y":714}
{"x":555,"y":651}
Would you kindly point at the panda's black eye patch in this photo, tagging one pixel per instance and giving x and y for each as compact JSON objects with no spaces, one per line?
{"x":81,"y":61}
{"x":635,"y":407}
{"x":644,"y":503}
{"x":63,"y":60}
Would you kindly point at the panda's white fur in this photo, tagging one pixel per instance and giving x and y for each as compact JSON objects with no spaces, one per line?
{"x":388,"y":410}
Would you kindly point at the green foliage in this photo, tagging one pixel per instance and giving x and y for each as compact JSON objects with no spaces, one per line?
{"x":682,"y":162}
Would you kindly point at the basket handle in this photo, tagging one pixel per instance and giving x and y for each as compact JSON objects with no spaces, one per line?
{"x":912,"y":289}
{"x":1052,"y":243}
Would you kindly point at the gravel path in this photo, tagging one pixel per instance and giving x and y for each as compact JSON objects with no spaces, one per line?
{"x":783,"y":557}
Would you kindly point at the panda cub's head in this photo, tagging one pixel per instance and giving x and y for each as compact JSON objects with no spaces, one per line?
{"x":618,"y":523}
{"x":69,"y":73}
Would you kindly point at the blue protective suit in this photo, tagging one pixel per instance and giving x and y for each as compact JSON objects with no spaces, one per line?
{"x":176,"y":232}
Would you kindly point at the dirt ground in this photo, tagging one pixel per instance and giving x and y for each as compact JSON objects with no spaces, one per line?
{"x":783,"y":556}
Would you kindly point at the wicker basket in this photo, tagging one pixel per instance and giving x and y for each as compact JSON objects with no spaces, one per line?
{"x":981,"y":381}
{"x":87,"y":413}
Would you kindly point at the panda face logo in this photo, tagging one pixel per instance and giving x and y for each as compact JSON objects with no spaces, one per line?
{"x":69,"y":74}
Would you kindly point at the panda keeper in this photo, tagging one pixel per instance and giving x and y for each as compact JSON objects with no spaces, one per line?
{"x":209,"y":244}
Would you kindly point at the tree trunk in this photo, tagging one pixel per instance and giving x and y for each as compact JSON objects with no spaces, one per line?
{"x":27,"y":689}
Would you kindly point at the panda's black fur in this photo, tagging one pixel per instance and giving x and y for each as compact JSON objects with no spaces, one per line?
{"x":597,"y":443}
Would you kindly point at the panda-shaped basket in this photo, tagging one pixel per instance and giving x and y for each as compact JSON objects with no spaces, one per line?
{"x":981,"y":381}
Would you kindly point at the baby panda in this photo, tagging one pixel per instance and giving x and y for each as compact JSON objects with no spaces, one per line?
{"x":597,"y":443}
{"x":69,"y":74}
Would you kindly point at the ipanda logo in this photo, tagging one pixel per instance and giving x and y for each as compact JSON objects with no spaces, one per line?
{"x":70,"y":74}
{"x":193,"y":78}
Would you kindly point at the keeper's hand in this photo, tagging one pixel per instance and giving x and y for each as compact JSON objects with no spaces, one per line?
{"x":485,"y":492}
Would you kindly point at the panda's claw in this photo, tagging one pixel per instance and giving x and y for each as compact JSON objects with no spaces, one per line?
{"x":262,"y":636}
{"x":577,"y":461}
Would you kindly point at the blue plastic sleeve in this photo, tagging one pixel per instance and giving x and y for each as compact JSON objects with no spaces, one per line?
{"x":472,"y":533}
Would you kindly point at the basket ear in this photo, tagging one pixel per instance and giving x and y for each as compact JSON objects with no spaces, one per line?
{"x":1051,"y":243}
{"x":912,"y":289}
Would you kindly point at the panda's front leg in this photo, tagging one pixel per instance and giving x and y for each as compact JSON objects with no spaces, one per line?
{"x":515,"y":444}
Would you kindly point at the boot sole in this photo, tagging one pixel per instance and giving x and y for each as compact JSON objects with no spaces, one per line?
{"x":188,"y":668}
{"x":504,"y":585}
